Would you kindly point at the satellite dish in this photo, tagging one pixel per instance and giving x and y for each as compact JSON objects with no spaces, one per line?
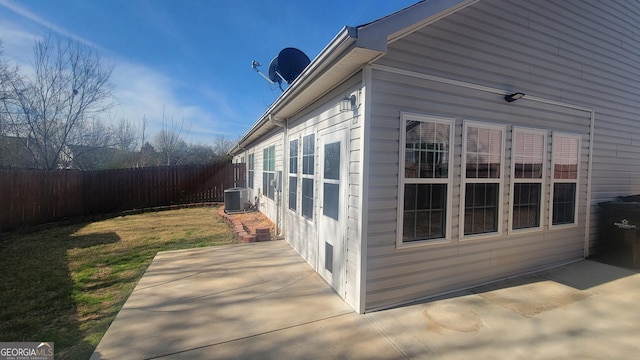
{"x":273,"y":71}
{"x":287,"y":66}
{"x":291,"y":62}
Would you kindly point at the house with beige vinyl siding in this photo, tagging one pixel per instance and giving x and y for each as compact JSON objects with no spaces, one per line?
{"x":453,"y":143}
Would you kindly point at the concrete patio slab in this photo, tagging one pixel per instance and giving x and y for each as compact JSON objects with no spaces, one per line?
{"x":192,"y":302}
{"x":585,"y":310}
{"x":262,"y":301}
{"x":347,"y":336}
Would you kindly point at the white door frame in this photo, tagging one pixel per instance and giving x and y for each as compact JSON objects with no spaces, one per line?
{"x":332,"y":232}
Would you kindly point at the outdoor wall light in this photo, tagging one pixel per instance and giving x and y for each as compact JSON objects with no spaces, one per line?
{"x":348,"y":103}
{"x":513,"y":97}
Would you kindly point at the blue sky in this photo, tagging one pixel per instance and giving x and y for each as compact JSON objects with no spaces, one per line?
{"x":190,"y":57}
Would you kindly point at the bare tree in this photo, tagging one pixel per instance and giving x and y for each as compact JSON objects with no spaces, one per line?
{"x":222,"y":145}
{"x":7,"y":76}
{"x":94,"y":132}
{"x":147,"y":156}
{"x":169,"y":143}
{"x":125,"y":135}
{"x":171,"y":147}
{"x":198,"y":154}
{"x":10,"y":149}
{"x":143,"y":132}
{"x":147,"y":152}
{"x":89,"y":146}
{"x":70,"y":85}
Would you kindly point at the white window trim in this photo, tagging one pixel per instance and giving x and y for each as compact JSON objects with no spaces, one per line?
{"x":464,"y":181}
{"x":309,"y":176}
{"x":264,"y":171}
{"x":553,"y":181}
{"x":296,"y":174}
{"x":542,"y":181}
{"x":400,"y":244}
{"x":251,"y":170}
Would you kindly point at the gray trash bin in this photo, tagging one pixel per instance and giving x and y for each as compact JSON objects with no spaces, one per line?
{"x":620,"y":231}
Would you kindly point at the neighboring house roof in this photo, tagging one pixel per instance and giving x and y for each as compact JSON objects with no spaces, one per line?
{"x":86,"y":157}
{"x":349,"y":50}
{"x":14,"y":153}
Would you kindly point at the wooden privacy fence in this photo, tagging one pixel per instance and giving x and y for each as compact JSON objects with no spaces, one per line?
{"x":29,"y":197}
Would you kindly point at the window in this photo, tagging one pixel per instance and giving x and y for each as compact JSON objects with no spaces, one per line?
{"x":268,"y":170}
{"x":293,"y":174}
{"x":331,"y":180}
{"x":250,"y":171}
{"x":566,"y":155}
{"x":482,"y":164}
{"x":425,"y":183}
{"x":527,"y":174}
{"x":308,"y":169}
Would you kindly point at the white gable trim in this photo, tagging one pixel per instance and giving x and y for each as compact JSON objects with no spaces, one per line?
{"x":376,"y":35}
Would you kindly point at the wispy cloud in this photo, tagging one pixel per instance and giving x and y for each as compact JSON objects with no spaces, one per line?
{"x":28,"y":15}
{"x":140,"y":90}
{"x":17,"y":44}
{"x":145,"y":93}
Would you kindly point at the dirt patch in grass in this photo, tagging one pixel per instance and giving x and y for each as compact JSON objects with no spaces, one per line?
{"x":67,"y":284}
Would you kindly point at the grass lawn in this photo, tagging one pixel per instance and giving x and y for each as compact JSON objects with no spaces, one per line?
{"x":67,"y":284}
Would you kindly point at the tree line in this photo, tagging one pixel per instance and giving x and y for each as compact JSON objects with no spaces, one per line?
{"x":56,"y":116}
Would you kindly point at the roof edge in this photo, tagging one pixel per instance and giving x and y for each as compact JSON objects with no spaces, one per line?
{"x":373,"y":36}
{"x":341,"y":41}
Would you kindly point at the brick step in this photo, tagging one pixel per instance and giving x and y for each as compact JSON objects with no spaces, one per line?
{"x":263,"y":231}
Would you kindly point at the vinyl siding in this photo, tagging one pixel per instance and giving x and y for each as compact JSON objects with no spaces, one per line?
{"x":301,"y":233}
{"x":515,"y":46}
{"x":267,"y":206}
{"x":579,"y":52}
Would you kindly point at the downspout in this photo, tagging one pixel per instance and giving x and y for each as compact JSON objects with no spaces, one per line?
{"x":235,"y":176}
{"x":235,"y":171}
{"x":587,"y":237}
{"x":285,"y":176}
{"x":280,"y":227}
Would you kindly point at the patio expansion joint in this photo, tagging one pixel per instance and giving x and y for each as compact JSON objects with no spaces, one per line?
{"x":396,"y":346}
{"x":341,"y":314}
